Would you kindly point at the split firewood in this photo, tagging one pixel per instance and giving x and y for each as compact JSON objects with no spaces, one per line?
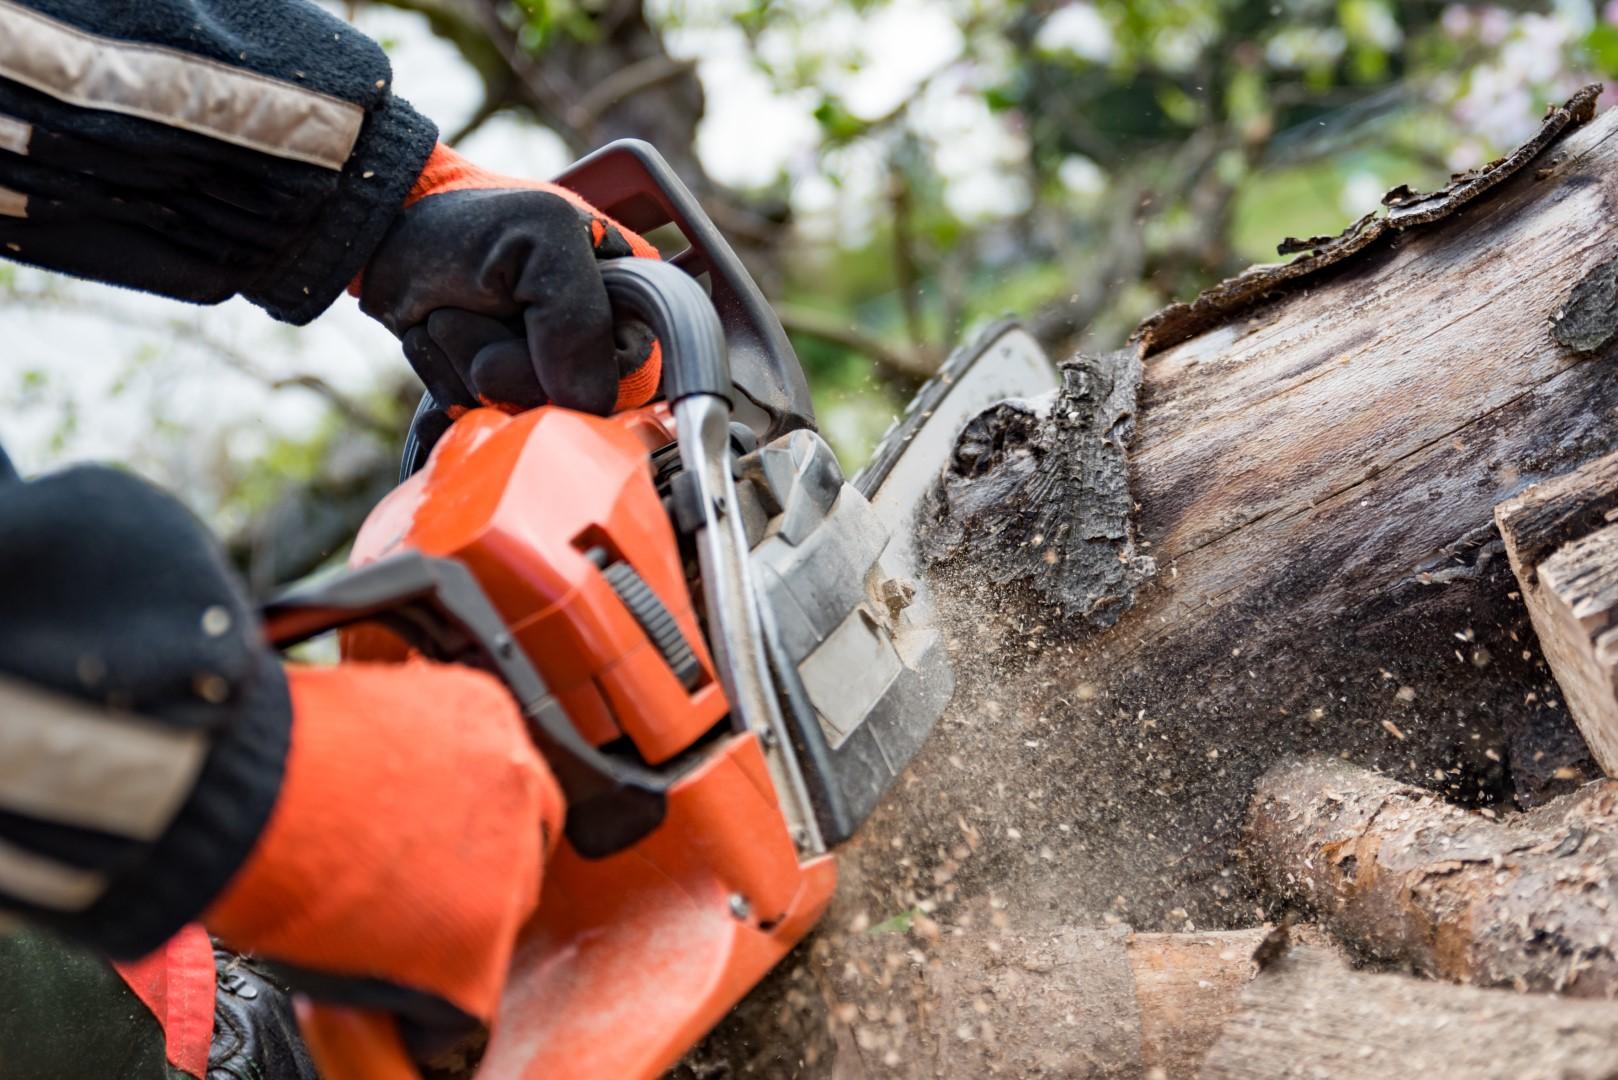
{"x":1307,"y":1015}
{"x":1530,"y":901}
{"x":1565,"y":556}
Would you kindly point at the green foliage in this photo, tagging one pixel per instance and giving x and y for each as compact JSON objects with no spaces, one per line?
{"x":1601,"y":45}
{"x":1125,"y":152}
{"x":837,"y":124}
{"x":544,"y":20}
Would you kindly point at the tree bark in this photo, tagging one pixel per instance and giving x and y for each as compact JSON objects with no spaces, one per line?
{"x":1307,"y":1015}
{"x":1315,"y":469}
{"x":1526,"y":902}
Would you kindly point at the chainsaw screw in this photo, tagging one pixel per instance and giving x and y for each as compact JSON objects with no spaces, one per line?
{"x":769,"y":738}
{"x":739,"y":907}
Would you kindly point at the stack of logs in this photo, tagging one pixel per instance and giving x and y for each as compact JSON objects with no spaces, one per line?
{"x":1526,"y":905}
{"x":1439,"y":940}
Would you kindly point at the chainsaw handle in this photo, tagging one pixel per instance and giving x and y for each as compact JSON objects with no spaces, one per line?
{"x":437,"y":606}
{"x":678,"y":312}
{"x":630,"y":181}
{"x":696,"y":356}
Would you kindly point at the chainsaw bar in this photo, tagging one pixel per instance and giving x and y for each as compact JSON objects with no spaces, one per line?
{"x":1004,"y":363}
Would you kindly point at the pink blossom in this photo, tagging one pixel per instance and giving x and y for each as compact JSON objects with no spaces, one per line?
{"x":1494,"y":24}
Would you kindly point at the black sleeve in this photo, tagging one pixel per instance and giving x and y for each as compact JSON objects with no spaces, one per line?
{"x":144,"y":721}
{"x":200,"y":148}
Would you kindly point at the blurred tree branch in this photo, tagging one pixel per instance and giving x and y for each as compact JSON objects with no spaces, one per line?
{"x":905,"y":366}
{"x":616,"y":82}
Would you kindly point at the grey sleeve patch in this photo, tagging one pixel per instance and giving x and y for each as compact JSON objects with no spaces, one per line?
{"x":177,"y":89}
{"x":72,"y":763}
{"x":15,"y":135}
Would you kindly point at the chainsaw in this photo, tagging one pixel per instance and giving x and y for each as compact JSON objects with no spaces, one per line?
{"x":722,"y":646}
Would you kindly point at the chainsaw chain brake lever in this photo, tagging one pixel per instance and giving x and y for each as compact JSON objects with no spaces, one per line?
{"x":438,"y":607}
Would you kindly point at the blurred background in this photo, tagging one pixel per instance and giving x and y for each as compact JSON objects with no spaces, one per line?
{"x":896,"y":173}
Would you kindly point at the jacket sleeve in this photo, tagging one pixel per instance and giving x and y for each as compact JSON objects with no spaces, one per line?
{"x":200,"y":149}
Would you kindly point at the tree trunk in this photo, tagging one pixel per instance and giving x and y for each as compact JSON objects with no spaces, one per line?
{"x":1315,"y":471}
{"x":1527,"y":902}
{"x":1307,"y":1015}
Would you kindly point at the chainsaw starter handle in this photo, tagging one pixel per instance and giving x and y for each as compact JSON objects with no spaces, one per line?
{"x":676,"y":308}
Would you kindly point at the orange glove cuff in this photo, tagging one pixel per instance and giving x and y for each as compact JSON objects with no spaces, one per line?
{"x":447,"y":171}
{"x":408,"y":841}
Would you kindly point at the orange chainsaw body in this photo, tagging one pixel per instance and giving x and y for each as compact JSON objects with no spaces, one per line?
{"x":630,"y":958}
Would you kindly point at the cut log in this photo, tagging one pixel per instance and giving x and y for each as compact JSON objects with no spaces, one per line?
{"x":1565,"y":557}
{"x":1316,"y":472}
{"x":1309,"y":1016}
{"x":1550,"y":515}
{"x":1058,"y":1003}
{"x":1528,"y":902}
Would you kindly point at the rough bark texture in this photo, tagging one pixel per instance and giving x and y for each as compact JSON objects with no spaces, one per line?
{"x":1037,"y":494}
{"x":1050,"y":1003}
{"x":1578,"y":630}
{"x":1566,"y":560}
{"x":1316,"y":479}
{"x":1406,"y":210}
{"x":1527,"y":901}
{"x":1308,"y":1016}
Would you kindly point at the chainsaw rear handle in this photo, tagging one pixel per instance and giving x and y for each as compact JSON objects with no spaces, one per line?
{"x":437,"y":606}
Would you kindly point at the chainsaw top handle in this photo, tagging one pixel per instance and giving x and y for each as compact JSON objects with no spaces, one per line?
{"x":675,"y":307}
{"x":631,"y":181}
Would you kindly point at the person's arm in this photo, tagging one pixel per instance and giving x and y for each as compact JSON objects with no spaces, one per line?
{"x":378,"y":831}
{"x":201,"y":148}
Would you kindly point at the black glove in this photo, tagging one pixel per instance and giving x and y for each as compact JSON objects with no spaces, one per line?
{"x":493,"y":288}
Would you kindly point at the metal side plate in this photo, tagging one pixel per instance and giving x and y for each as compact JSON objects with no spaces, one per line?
{"x":861,"y":665}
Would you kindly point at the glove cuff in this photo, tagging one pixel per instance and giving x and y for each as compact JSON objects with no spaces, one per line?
{"x":447,"y":170}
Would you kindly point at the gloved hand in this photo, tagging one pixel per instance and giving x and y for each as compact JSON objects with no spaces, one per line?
{"x":491,"y":284}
